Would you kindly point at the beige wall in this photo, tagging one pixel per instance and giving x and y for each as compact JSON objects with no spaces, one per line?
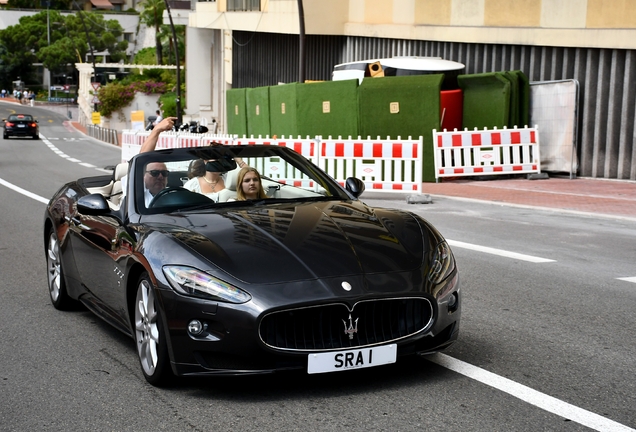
{"x":577,"y":23}
{"x":611,"y":13}
{"x":432,"y":12}
{"x":378,"y":11}
{"x":563,"y":13}
{"x":512,"y":13}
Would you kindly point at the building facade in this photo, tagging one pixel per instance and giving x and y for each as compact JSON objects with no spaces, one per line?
{"x":249,"y":43}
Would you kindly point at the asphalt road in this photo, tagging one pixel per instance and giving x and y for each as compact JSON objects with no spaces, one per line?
{"x":547,"y":340}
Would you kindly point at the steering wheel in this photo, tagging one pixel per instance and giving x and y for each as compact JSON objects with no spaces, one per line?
{"x":163,"y":193}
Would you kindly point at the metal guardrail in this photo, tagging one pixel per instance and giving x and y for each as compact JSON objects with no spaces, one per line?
{"x":103,"y":134}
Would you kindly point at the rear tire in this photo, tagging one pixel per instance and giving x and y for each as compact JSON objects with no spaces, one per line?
{"x":55,"y":275}
{"x":150,"y":335}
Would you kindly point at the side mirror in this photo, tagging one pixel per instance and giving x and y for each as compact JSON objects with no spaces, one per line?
{"x":93,"y":205}
{"x":354,"y":186}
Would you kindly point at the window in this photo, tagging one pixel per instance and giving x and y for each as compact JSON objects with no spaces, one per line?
{"x":243,"y":5}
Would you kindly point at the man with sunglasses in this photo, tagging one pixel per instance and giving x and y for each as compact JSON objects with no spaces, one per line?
{"x":155,"y":179}
{"x":156,"y":173}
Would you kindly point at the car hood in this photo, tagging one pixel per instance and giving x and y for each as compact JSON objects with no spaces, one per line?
{"x":281,"y":242}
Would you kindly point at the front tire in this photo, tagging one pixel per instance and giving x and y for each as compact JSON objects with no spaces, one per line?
{"x":55,"y":275}
{"x":150,"y":335}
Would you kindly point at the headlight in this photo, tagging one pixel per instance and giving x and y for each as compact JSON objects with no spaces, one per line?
{"x":442,"y":263}
{"x":193,"y":282}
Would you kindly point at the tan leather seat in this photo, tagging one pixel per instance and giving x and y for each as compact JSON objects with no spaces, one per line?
{"x":116,"y":192}
{"x":230,"y":186}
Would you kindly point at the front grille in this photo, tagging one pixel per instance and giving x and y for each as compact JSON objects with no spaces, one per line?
{"x":329,"y":327}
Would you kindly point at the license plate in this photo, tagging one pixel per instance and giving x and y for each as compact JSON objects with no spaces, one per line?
{"x":21,"y":125}
{"x":351,"y":359}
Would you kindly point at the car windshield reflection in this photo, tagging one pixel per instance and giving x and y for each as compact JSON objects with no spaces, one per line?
{"x":201,"y":178}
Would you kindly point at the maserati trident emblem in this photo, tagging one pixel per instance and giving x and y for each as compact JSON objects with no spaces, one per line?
{"x":351,"y":327}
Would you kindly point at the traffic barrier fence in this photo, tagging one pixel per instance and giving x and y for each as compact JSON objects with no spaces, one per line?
{"x":383,"y":165}
{"x":488,"y":151}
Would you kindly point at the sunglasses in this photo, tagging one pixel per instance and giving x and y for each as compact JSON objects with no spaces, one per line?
{"x":155,"y":173}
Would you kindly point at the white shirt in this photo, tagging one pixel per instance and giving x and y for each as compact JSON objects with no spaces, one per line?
{"x":147,"y":195}
{"x":194,"y":186}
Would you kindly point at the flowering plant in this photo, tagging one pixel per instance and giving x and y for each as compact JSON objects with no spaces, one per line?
{"x":115,"y":96}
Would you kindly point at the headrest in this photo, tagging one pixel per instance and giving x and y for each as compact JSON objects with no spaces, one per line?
{"x":230,"y":179}
{"x":120,"y":170}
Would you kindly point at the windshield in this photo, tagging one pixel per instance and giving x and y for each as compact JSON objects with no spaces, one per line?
{"x":210,"y":177}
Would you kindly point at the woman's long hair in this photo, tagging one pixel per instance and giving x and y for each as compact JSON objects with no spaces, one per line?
{"x":240,"y":195}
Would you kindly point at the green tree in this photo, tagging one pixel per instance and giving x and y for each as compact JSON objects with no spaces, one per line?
{"x":27,"y":42}
{"x":168,"y":44}
{"x":152,"y":16}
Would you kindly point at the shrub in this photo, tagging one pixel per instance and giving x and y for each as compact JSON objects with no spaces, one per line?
{"x":115,"y":96}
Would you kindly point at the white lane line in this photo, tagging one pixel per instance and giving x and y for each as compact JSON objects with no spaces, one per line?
{"x":628,"y":279}
{"x":61,"y":154}
{"x":24,"y":192}
{"x":499,"y":252}
{"x":531,"y":396}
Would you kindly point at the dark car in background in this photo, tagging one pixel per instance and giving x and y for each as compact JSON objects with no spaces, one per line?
{"x":21,"y":125}
{"x":307,"y":277}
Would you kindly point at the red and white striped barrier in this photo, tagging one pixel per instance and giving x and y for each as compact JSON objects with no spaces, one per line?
{"x":383,"y":165}
{"x":488,"y":151}
{"x":188,"y":140}
{"x":306,"y":147}
{"x":168,"y":140}
{"x":208,"y":139}
{"x":131,"y":142}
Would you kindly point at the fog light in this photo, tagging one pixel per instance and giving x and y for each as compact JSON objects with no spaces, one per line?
{"x":195,"y":327}
{"x":453,"y":302}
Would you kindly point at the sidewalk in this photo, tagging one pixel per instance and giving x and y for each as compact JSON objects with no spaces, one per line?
{"x":615,"y":198}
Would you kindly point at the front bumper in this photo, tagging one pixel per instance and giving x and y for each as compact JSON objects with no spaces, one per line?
{"x":230,"y":343}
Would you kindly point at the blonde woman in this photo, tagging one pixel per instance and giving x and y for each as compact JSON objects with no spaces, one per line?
{"x":249,"y":185}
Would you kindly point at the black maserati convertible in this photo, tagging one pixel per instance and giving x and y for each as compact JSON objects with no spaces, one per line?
{"x":297,"y":273}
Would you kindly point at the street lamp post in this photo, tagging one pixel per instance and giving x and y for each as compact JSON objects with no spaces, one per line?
{"x":48,"y":40}
{"x":176,"y":53}
{"x":67,"y":90}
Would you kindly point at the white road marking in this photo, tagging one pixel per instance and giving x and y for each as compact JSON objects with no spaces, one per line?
{"x":24,"y":192}
{"x":628,"y":279}
{"x":61,"y":154}
{"x":499,"y":252}
{"x":531,"y":396}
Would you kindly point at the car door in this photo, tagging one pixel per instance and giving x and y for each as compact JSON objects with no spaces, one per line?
{"x":100,"y":244}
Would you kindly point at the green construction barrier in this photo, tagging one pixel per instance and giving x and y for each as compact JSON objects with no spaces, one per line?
{"x":524,"y":99}
{"x":236,"y":114}
{"x":513,"y":116}
{"x":282,"y":110}
{"x":328,"y":108}
{"x":257,"y":109}
{"x":486,"y":100}
{"x":403,"y":106}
